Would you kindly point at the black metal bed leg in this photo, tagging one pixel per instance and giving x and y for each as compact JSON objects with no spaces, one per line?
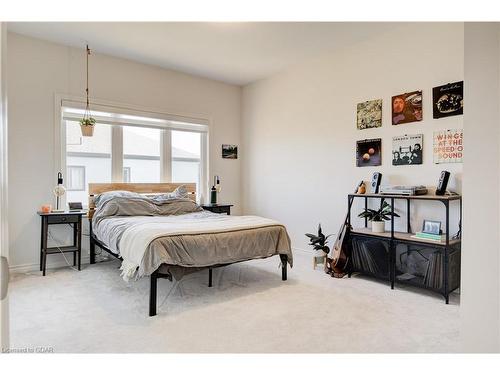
{"x":209,"y":277}
{"x":92,"y":244}
{"x":152,"y":294}
{"x":284,"y":261}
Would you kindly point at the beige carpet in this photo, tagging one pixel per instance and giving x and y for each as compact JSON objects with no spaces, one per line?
{"x":249,"y":309}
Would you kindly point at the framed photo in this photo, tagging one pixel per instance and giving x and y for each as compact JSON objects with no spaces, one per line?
{"x":407,"y":149}
{"x":407,"y":108}
{"x":448,"y":146}
{"x":369,"y":114}
{"x":448,"y":100}
{"x":369,"y":152}
{"x":431,"y":227}
{"x":229,"y":152}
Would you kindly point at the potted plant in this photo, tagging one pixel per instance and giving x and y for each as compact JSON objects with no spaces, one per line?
{"x":318,"y":242}
{"x":87,"y":126}
{"x":378,"y":217}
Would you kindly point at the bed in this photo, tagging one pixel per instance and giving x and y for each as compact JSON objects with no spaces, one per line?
{"x":158,"y":231}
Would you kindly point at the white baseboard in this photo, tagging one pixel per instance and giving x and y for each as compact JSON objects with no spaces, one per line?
{"x":30,"y":267}
{"x":307,"y":251}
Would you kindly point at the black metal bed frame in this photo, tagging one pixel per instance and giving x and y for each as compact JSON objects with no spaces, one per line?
{"x":158,"y":275}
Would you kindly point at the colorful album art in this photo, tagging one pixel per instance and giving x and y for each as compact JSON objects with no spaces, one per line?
{"x":448,"y":100}
{"x":369,"y":152}
{"x":369,"y":114}
{"x":448,"y":146}
{"x":407,"y":108}
{"x":407,"y":149}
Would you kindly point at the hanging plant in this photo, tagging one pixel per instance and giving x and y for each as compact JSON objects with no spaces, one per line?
{"x":87,"y":123}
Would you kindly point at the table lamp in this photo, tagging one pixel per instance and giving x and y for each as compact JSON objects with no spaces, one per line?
{"x":59,"y":191}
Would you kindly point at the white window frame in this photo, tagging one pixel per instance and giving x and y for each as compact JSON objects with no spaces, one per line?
{"x":128,"y":115}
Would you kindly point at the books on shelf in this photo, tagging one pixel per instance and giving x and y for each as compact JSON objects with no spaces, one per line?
{"x":430,"y":237}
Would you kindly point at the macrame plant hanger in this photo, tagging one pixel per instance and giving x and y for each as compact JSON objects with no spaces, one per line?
{"x":87,"y":123}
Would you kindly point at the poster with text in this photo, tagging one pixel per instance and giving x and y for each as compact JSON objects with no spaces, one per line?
{"x":369,"y":114}
{"x":407,"y":149}
{"x":448,"y":100}
{"x":407,"y":108}
{"x":448,"y":146}
{"x":369,"y":152}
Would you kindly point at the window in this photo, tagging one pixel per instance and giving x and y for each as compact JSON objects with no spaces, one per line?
{"x":186,"y":160}
{"x":75,"y":178}
{"x":126,"y":174}
{"x":141,"y":154}
{"x":131,"y":148}
{"x":92,"y":154}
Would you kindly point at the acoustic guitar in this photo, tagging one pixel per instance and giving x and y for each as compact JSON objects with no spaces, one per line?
{"x":337,"y":266}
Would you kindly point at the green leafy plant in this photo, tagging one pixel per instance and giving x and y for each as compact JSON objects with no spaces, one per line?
{"x":319,"y":241}
{"x":90,"y":121}
{"x":383,"y":213}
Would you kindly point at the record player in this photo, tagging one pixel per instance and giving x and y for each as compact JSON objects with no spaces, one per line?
{"x":403,"y":190}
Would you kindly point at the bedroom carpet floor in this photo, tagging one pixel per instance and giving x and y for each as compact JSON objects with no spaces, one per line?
{"x":249,"y":309}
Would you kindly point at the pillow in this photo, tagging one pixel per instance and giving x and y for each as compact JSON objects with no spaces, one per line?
{"x":126,"y":203}
{"x":179,"y":193}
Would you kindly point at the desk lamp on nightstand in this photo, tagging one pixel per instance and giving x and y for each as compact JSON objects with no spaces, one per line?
{"x":215,"y":190}
{"x":59,"y":191}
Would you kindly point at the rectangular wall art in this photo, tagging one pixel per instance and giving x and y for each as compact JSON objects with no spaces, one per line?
{"x":407,"y":108}
{"x":407,"y":149}
{"x":448,"y":100}
{"x":448,"y":146}
{"x":369,"y":152}
{"x":229,"y":152}
{"x":369,"y":114}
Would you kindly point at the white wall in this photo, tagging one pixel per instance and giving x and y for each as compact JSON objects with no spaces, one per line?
{"x":4,"y":244}
{"x":299,"y":127}
{"x":37,"y":70}
{"x":479,"y":308}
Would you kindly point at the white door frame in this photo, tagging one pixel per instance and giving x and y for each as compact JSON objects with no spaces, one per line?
{"x":4,"y":243}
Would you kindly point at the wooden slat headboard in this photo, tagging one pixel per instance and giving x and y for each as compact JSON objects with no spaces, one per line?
{"x":141,"y":188}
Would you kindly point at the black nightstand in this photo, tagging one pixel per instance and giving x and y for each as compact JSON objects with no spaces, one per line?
{"x":218,"y":208}
{"x":73,"y":219}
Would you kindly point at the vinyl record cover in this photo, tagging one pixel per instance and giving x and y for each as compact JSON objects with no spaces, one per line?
{"x":448,"y":100}
{"x":369,"y":152}
{"x":369,"y":114}
{"x":407,"y":149}
{"x":407,"y":108}
{"x":448,"y":146}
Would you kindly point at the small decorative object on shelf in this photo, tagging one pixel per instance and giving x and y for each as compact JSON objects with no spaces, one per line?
{"x":87,"y":123}
{"x":318,"y":242}
{"x":378,"y":217}
{"x":361,"y":188}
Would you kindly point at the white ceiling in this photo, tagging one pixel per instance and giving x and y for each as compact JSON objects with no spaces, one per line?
{"x":237,"y":53}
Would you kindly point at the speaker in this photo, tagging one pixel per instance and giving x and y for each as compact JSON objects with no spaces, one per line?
{"x":376,"y":179}
{"x":442,"y":183}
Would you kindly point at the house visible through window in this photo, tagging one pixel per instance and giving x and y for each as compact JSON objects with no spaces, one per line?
{"x":135,"y":149}
{"x":75,"y":178}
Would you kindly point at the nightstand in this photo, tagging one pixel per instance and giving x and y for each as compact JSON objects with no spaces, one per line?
{"x":218,"y":208}
{"x":74,"y":219}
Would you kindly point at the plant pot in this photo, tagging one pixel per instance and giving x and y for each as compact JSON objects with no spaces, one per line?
{"x":87,"y":130}
{"x":378,"y":226}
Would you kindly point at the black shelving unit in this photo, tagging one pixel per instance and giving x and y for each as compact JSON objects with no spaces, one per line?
{"x":399,"y":258}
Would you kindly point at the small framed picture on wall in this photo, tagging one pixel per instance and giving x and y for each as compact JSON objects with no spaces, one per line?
{"x":229,"y":152}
